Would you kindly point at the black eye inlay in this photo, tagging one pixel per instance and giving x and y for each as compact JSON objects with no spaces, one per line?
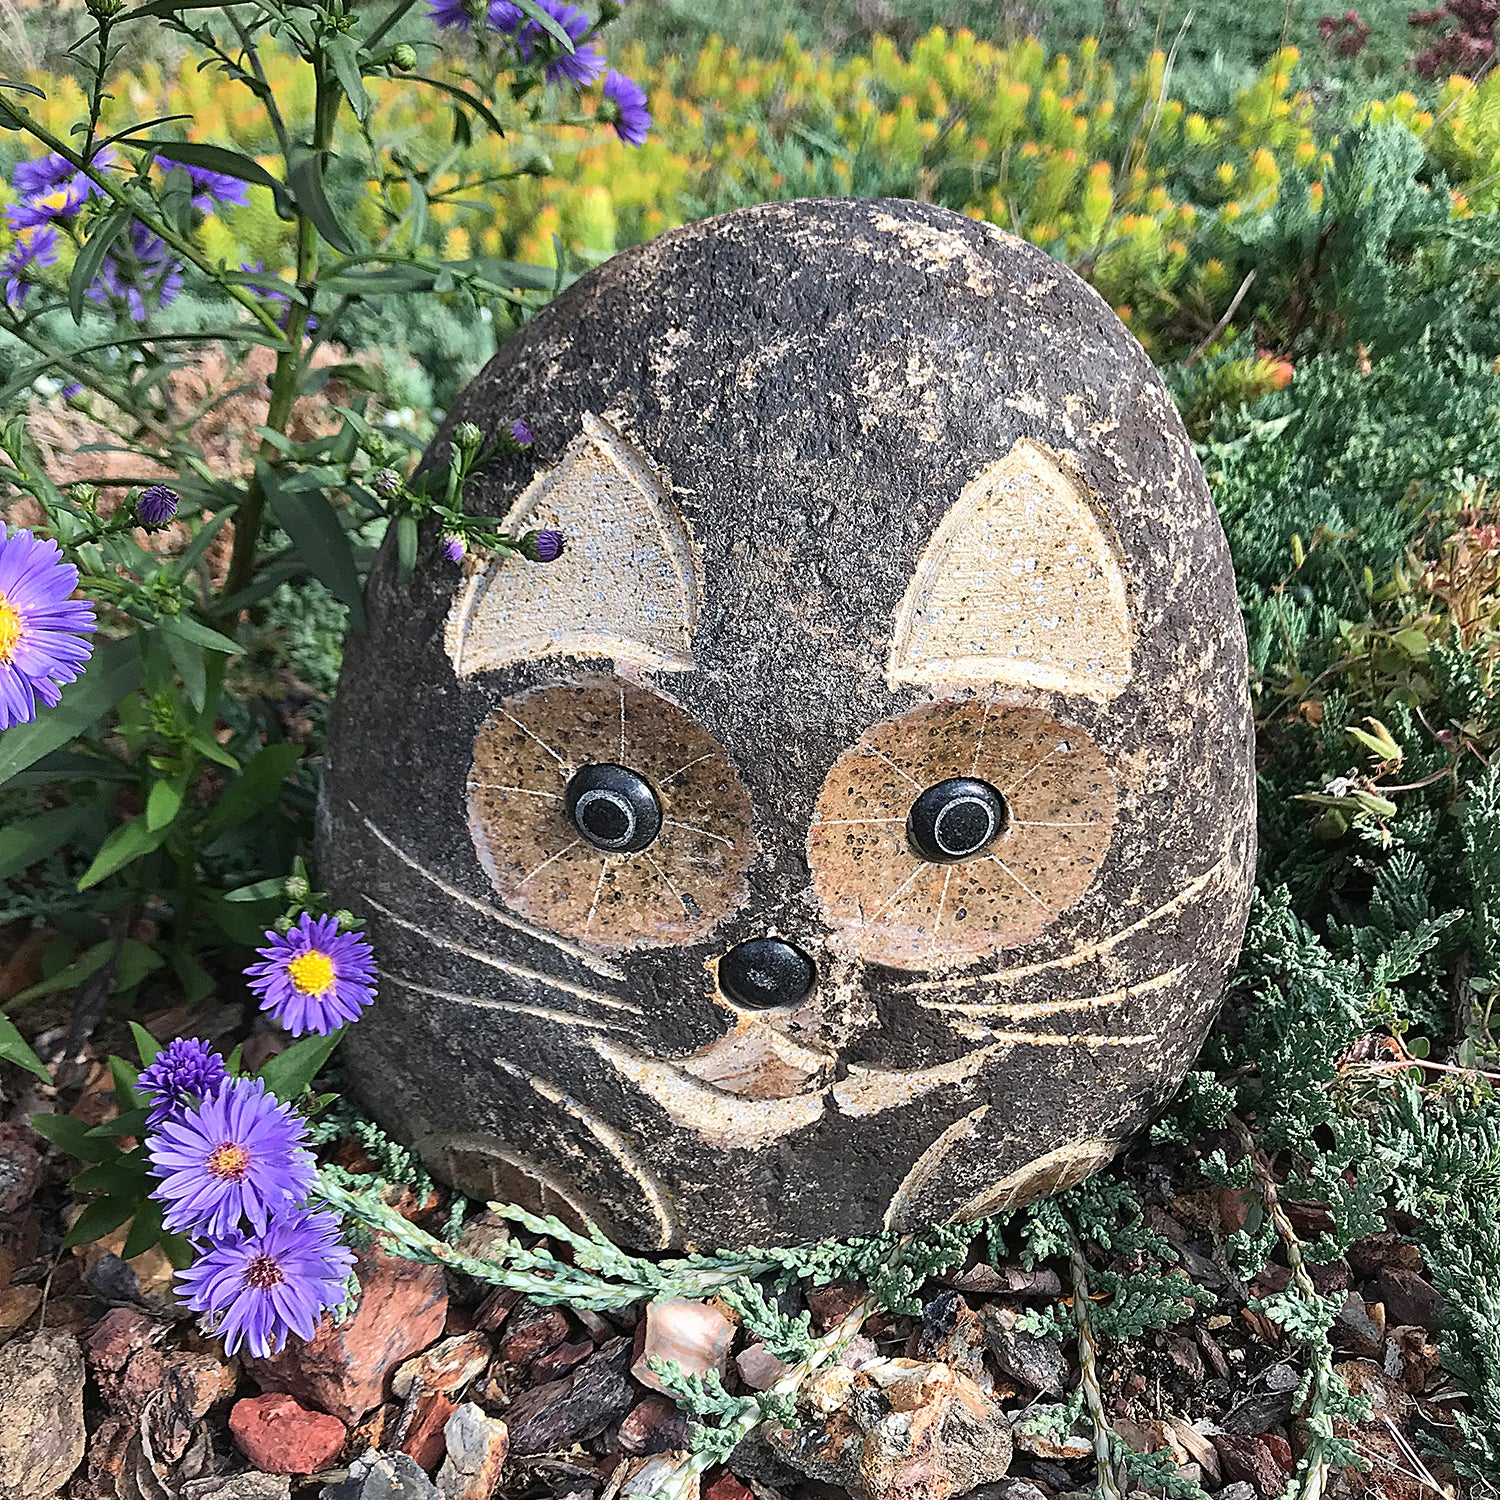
{"x":613,"y":807}
{"x":956,"y":819}
{"x":764,"y":972}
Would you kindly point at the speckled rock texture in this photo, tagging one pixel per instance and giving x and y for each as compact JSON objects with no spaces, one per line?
{"x":866,"y":504}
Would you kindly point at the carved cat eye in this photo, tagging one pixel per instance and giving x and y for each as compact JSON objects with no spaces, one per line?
{"x":614,"y":808}
{"x":956,"y":819}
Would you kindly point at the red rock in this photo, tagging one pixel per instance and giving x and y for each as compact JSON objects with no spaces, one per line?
{"x":423,"y":1442}
{"x":346,"y":1369}
{"x":560,"y":1360}
{"x":726,"y":1487}
{"x":280,"y":1436}
{"x":653,"y":1425}
{"x":830,"y":1305}
{"x":530,"y":1332}
{"x":124,"y":1360}
{"x":1281,"y":1450}
{"x":1250,"y":1460}
{"x":495,"y":1308}
{"x":1408,"y":1297}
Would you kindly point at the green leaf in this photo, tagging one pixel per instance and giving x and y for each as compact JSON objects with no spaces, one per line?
{"x":124,"y":1177}
{"x":14,"y":1048}
{"x":91,"y":258}
{"x":88,"y":963}
{"x":406,"y":544}
{"x":132,"y":1122}
{"x":128,"y":843}
{"x":324,"y":545}
{"x":113,"y":671}
{"x":124,"y":1076}
{"x":221,"y":159}
{"x":35,"y":838}
{"x":145,"y":1231}
{"x":469,"y":100}
{"x":145,"y":1044}
{"x":100,"y":1218}
{"x":72,"y":1135}
{"x":163,"y":804}
{"x":263,"y":890}
{"x":306,"y":182}
{"x":137,"y":960}
{"x":289,"y":1073}
{"x":250,"y":793}
{"x":188,"y":660}
{"x":213,"y":750}
{"x":200,"y":635}
{"x":550,"y":24}
{"x":343,"y":53}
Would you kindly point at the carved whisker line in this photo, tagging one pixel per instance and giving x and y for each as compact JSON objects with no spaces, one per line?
{"x":995,"y":858}
{"x":984,"y":724}
{"x":525,"y":791}
{"x":718,"y":838}
{"x":513,"y":1007}
{"x":652,"y":1187}
{"x":598,"y":891}
{"x":830,"y":822}
{"x":897,"y":769}
{"x":937,"y":925}
{"x":869,"y":922}
{"x":539,"y":868}
{"x":599,"y":965}
{"x":697,"y":760}
{"x":1035,"y":766}
{"x":622,"y":726}
{"x":516,"y":971}
{"x":1079,"y":956}
{"x":1044,"y":823}
{"x":1021,"y":1010}
{"x":531,"y":735}
{"x":667,"y":881}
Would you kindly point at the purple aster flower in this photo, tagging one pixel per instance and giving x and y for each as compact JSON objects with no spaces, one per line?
{"x":454,"y":547}
{"x":146,"y":276}
{"x":629,"y":116}
{"x":33,"y":178}
{"x":255,"y":1289}
{"x":451,"y":15}
{"x":315,"y":978}
{"x":520,"y":431}
{"x":215,"y":188}
{"x":241,"y":1154}
{"x":505,"y":16}
{"x":581,"y":67}
{"x":50,"y":189}
{"x":40,"y":626}
{"x":541,"y":546}
{"x":156,"y":505}
{"x":36,"y":247}
{"x":183,"y":1073}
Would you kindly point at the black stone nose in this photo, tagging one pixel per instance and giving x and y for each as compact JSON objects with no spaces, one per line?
{"x":765,"y":972}
{"x":956,"y":819}
{"x":613,"y":807}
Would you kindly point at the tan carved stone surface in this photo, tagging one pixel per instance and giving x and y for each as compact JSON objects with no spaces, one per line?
{"x":855,"y":826}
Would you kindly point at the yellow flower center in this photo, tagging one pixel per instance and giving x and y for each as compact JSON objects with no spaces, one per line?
{"x":228,"y":1161}
{"x":10,"y":630}
{"x":311,"y":973}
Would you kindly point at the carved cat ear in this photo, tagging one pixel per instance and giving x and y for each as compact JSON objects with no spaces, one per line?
{"x":1021,"y":583}
{"x":625,"y":586}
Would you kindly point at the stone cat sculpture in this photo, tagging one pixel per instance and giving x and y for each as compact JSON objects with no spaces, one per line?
{"x":855,"y":826}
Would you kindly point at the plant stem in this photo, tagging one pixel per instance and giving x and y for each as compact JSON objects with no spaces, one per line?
{"x":1088,"y":1376}
{"x":288,"y":371}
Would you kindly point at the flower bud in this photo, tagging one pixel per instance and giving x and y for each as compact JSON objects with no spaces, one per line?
{"x":541,"y":546}
{"x":403,"y":56}
{"x":454,"y":547}
{"x":156,"y":505}
{"x":386,"y":483}
{"x":296,"y":888}
{"x":346,"y":919}
{"x":520,"y":431}
{"x":467,"y":437}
